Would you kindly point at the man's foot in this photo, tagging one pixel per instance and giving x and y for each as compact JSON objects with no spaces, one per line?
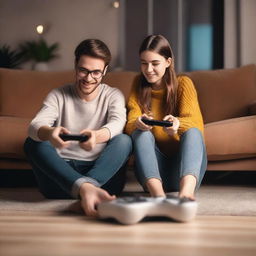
{"x":91,"y":196}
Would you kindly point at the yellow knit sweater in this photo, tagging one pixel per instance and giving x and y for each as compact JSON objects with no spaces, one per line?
{"x":189,"y":113}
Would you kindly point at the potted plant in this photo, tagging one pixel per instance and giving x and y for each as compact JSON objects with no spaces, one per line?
{"x":39,"y":52}
{"x":10,"y":58}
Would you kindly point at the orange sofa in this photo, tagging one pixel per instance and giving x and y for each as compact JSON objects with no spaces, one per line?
{"x":227,"y":99}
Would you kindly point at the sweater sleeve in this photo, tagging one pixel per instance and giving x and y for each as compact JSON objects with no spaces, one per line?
{"x":47,"y":115}
{"x":189,"y":110}
{"x":116,"y":118}
{"x":134,"y":110}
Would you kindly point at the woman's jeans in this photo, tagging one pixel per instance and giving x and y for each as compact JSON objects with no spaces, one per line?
{"x":62,"y":178}
{"x":151,"y":163}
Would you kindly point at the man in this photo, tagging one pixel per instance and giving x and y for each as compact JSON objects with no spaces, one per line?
{"x":89,"y":170}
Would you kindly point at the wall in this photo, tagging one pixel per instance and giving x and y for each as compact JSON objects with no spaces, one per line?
{"x":240,"y":33}
{"x":136,"y":25}
{"x":248,"y":31}
{"x":69,"y":21}
{"x":230,"y":34}
{"x":170,"y":18}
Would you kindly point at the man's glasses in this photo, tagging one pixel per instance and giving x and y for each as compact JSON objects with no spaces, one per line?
{"x":96,"y":74}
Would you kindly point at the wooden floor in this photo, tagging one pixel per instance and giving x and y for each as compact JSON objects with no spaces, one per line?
{"x":44,"y":234}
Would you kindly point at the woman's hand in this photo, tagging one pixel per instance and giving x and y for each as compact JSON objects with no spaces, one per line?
{"x":141,"y":125}
{"x":174,"y":128}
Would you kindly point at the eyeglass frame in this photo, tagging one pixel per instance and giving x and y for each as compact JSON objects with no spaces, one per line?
{"x":86,"y":72}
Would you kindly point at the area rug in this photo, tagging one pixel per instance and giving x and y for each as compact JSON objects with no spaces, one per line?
{"x":213,"y":200}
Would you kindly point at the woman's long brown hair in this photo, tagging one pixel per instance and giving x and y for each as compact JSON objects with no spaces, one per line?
{"x":160,"y":45}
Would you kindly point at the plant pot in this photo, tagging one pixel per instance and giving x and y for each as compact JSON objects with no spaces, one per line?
{"x":41,"y":66}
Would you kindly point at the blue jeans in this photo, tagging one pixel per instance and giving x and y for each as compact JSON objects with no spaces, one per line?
{"x":151,"y":163}
{"x":62,"y":178}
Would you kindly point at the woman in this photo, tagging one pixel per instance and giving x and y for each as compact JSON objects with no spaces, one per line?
{"x":167,"y":158}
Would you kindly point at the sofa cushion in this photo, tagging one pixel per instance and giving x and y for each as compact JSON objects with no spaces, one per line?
{"x":13,"y":132}
{"x":122,"y":80}
{"x":252,"y":108}
{"x":225,"y":93}
{"x":23,"y":91}
{"x":231,"y":139}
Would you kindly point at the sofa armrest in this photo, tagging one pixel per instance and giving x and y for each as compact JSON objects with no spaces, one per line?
{"x":252,"y":108}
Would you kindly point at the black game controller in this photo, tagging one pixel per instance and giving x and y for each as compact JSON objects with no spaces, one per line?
{"x":157,"y":122}
{"x":77,"y":137}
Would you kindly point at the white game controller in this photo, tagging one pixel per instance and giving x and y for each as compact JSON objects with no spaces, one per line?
{"x":130,"y":210}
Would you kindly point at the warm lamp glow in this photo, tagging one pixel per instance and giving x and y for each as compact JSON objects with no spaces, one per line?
{"x":116,"y":4}
{"x":40,"y":29}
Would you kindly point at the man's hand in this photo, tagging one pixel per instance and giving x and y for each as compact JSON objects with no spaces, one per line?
{"x":141,"y":125}
{"x":174,"y":128}
{"x":55,"y":140}
{"x":91,"y":142}
{"x":91,"y":196}
{"x":52,"y":134}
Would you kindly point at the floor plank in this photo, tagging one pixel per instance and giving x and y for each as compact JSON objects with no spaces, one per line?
{"x":48,"y":234}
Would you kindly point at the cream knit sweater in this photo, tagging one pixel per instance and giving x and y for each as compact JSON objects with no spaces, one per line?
{"x":63,"y":107}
